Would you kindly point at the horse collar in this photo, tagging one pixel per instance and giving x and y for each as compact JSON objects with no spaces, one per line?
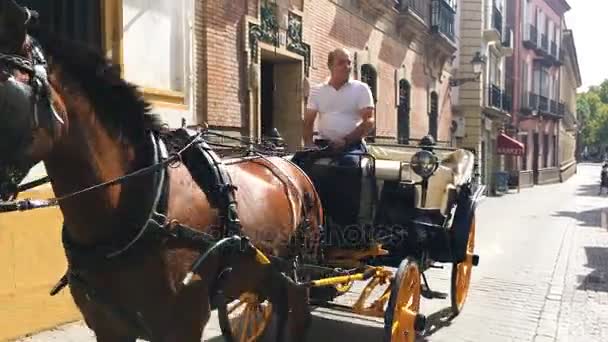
{"x":80,"y":256}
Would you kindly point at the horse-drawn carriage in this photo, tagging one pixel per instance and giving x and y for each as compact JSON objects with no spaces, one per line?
{"x":158,"y":228}
{"x":416,"y":207}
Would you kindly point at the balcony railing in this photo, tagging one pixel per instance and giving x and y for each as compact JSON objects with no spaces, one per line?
{"x":543,"y":103}
{"x":544,"y":42}
{"x":419,"y":7}
{"x":496,"y":19}
{"x":531,"y":40}
{"x":443,"y":13}
{"x":553,"y":49}
{"x":553,"y":107}
{"x":532,"y":101}
{"x":498,"y":98}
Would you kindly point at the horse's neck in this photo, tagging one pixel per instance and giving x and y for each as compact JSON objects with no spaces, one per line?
{"x":87,"y":155}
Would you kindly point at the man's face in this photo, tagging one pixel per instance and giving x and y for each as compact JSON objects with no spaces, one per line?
{"x":341,"y":67}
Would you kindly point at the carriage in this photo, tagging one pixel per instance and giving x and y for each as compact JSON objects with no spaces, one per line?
{"x":416,"y":208}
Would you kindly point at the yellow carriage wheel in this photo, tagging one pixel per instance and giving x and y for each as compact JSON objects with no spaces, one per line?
{"x":402,"y":319}
{"x":245,"y":319}
{"x":461,"y":273}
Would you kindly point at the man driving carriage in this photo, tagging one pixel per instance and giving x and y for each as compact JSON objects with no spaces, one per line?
{"x":343,"y":110}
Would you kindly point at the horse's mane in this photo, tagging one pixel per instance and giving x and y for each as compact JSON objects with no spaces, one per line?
{"x":120,"y":106}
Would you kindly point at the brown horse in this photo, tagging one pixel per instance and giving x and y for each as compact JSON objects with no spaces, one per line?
{"x":98,"y":129}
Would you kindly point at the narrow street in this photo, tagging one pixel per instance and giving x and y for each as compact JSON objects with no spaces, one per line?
{"x":543,"y":275}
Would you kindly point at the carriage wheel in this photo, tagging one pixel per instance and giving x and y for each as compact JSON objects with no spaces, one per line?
{"x":461,"y":273}
{"x":401,"y":319}
{"x":245,"y":319}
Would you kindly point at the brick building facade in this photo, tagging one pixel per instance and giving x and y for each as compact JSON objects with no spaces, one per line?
{"x":257,"y":59}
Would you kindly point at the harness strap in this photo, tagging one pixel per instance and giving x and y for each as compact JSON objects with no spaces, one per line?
{"x":210,"y":174}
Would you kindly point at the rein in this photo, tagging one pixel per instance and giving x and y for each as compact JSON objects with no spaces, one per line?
{"x":29,"y":204}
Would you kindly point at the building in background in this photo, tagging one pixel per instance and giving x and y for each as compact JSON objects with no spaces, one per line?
{"x":257,"y":60}
{"x":570,"y":81}
{"x":481,"y":101}
{"x":536,"y":77}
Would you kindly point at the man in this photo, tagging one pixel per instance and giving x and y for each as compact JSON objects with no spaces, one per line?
{"x":345,"y":110}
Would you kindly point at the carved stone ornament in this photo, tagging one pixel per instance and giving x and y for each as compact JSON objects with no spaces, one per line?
{"x":267,"y":31}
{"x":294,"y":40}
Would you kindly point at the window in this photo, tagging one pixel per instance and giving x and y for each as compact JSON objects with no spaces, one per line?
{"x":434,"y":114}
{"x":403,"y":112}
{"x":155,"y":43}
{"x":70,"y":19}
{"x":526,"y":87}
{"x":555,"y":151}
{"x":370,"y":76}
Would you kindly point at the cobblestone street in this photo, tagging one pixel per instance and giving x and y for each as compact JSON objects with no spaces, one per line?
{"x":543,"y":275}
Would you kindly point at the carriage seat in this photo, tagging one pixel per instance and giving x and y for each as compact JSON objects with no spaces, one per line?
{"x":392,"y":163}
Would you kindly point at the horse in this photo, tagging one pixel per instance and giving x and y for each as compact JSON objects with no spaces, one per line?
{"x":66,"y":105}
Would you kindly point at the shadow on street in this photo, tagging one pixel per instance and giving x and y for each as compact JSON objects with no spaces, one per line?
{"x":588,"y":218}
{"x":597,"y":280}
{"x":340,"y":326}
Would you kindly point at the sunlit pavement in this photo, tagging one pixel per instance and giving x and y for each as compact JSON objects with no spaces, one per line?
{"x":543,"y":275}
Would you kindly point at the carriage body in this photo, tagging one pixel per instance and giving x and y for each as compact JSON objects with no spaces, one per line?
{"x":408,"y":223}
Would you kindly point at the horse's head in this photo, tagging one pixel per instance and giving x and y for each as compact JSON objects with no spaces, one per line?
{"x":27,"y":116}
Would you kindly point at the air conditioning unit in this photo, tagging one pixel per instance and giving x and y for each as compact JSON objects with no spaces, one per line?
{"x":458,"y":126}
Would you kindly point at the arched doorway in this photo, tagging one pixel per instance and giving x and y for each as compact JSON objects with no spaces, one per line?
{"x":403,"y":113}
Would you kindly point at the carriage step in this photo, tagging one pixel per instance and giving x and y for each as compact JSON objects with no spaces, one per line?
{"x":475,"y":260}
{"x":430,"y":294}
{"x":420,"y":323}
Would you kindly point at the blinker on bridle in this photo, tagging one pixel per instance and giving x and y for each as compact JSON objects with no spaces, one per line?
{"x":36,"y":68}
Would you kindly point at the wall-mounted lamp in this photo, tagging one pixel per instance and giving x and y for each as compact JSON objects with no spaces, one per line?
{"x":478,"y":62}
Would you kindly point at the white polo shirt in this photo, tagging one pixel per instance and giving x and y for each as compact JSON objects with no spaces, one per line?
{"x":339,"y":109}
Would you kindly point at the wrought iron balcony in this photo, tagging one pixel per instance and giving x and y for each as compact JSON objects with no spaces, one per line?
{"x":531,"y":39}
{"x":543,"y":103}
{"x":531,"y":102}
{"x":498,"y":98}
{"x":544,"y":42}
{"x":553,"y":49}
{"x":443,"y":13}
{"x":553,"y":107}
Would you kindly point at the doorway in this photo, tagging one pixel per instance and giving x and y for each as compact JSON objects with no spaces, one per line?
{"x":535,"y":157}
{"x":281,"y":97}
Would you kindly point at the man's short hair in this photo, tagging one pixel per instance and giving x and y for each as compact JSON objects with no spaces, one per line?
{"x":332,"y":55}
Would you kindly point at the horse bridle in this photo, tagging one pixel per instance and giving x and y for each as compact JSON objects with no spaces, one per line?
{"x":35,"y":66}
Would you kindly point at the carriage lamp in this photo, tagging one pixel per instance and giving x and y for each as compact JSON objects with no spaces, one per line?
{"x":424,"y":163}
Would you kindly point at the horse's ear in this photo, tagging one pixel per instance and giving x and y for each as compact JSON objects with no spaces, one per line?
{"x":13,"y":22}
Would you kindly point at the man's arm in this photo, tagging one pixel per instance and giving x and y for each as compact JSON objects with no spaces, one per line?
{"x":309,"y":123}
{"x":364,"y":128}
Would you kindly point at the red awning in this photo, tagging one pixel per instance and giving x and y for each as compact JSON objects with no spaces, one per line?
{"x":509,"y":146}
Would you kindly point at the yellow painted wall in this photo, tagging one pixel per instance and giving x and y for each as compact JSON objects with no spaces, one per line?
{"x":31,"y":261}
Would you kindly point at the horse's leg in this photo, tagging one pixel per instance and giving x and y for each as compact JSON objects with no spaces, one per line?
{"x":191,"y":314}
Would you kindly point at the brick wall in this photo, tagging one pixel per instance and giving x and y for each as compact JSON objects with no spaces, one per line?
{"x":221,"y":61}
{"x":327,"y":25}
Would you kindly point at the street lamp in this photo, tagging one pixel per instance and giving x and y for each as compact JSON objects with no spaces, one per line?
{"x":478,"y":62}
